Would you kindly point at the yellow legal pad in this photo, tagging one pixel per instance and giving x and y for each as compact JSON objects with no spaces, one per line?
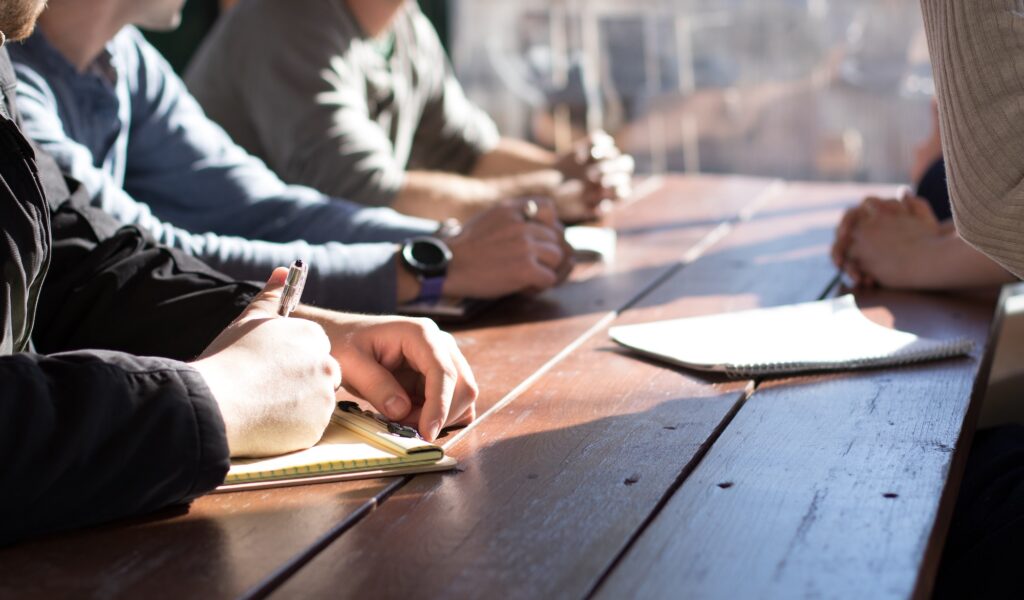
{"x":356,"y":445}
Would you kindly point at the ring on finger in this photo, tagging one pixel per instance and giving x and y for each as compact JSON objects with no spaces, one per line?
{"x":530,"y":210}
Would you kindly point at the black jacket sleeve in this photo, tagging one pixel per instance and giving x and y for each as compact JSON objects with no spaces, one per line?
{"x":91,"y":436}
{"x":112,"y":287}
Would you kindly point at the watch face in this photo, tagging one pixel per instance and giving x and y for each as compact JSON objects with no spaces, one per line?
{"x":427,"y":256}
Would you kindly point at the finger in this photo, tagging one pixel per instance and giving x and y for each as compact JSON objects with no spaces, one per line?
{"x":593,"y":196}
{"x":547,"y":213}
{"x":618,"y":166}
{"x":565,"y":269}
{"x":548,"y":254}
{"x":264,"y":305}
{"x":611,"y":180}
{"x":539,"y":276}
{"x":540,"y":232}
{"x":440,"y":382}
{"x":920,"y":208}
{"x":369,"y":380}
{"x":597,"y":146}
{"x":843,"y":232}
{"x":463,"y":408}
{"x":334,"y":374}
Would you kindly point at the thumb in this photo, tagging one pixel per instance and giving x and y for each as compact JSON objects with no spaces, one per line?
{"x":264,"y":305}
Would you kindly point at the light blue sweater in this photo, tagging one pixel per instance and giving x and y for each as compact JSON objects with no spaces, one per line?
{"x":132,"y":134}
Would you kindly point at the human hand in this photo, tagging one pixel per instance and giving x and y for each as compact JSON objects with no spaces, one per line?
{"x":273,"y":378}
{"x":891,"y":247}
{"x":848,"y":223}
{"x":501,"y":252}
{"x":408,"y":369}
{"x":595,"y":172}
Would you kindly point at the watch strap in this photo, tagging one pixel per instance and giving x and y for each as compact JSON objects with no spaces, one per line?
{"x":431,"y":289}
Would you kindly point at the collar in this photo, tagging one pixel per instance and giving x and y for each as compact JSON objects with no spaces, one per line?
{"x":102,"y":68}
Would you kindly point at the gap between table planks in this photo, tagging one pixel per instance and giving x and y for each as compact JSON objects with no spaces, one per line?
{"x":555,"y":485}
{"x":228,"y":544}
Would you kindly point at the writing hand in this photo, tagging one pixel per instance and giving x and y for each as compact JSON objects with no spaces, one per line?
{"x":274,"y":379}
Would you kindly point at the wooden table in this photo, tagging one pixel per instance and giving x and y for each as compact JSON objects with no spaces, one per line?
{"x":592,"y":473}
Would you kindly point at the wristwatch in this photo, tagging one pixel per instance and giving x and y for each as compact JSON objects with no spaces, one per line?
{"x":427,"y":258}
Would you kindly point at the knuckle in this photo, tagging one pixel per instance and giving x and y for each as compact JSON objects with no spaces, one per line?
{"x":426,"y":326}
{"x":331,"y":368}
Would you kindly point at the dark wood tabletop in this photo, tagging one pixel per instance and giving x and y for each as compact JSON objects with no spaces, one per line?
{"x":593,"y":473}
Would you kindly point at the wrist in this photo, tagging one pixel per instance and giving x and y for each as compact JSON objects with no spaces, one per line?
{"x":408,"y":285}
{"x":220,"y":388}
{"x":541,"y":182}
{"x":426,"y":259}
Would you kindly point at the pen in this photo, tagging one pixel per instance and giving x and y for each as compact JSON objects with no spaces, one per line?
{"x":293,"y":288}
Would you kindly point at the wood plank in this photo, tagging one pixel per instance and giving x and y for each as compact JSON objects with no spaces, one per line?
{"x":554,"y":485}
{"x":821,"y":486}
{"x":520,"y":335}
{"x":228,"y":544}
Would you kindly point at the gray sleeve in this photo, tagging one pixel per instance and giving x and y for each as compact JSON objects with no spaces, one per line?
{"x":350,"y":277}
{"x":304,"y":105}
{"x":976,"y":48}
{"x":453,"y":132}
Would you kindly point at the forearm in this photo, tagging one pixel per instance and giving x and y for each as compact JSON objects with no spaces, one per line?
{"x":950,"y":263}
{"x":975,"y":48}
{"x":513,"y":157}
{"x":439,"y":196}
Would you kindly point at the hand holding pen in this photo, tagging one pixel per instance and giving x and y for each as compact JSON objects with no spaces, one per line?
{"x":273,"y":378}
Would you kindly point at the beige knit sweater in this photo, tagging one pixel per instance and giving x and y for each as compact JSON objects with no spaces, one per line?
{"x":977,"y":49}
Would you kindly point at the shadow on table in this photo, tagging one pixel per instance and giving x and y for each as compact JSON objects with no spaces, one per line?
{"x":612,"y":291}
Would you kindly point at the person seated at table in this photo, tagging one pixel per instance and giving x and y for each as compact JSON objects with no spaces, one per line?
{"x":911,"y":242}
{"x":976,"y":49}
{"x":357,"y":98}
{"x":103,"y":102}
{"x":100,"y":415}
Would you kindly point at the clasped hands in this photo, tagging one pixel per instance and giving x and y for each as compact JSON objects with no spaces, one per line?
{"x":595,"y":172}
{"x":886,"y":242}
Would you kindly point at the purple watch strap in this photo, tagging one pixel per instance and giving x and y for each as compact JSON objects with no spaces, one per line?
{"x":430,"y":289}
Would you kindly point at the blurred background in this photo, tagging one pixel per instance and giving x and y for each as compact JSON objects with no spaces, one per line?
{"x":801,"y":89}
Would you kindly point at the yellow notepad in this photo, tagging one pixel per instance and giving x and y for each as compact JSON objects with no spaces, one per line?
{"x":356,"y":445}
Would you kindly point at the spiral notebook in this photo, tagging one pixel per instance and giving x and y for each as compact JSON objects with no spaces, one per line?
{"x":357,"y":444}
{"x":829,"y":335}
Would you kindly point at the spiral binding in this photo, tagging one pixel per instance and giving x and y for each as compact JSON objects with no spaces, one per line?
{"x":947,"y":349}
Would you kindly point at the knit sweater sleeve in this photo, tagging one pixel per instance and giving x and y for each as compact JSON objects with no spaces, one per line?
{"x":977,"y":50}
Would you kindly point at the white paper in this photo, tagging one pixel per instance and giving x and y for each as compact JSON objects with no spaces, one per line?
{"x":824,"y":335}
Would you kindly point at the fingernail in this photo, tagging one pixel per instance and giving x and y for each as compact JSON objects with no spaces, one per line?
{"x":435,"y":429}
{"x":394,"y":407}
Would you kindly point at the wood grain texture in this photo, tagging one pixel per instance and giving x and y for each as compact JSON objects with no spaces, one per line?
{"x":228,"y":544}
{"x":824,"y":486}
{"x":221,"y":547}
{"x":519,"y":335}
{"x":555,"y":485}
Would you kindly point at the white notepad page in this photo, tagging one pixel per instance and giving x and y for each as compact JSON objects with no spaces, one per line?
{"x":813,"y":336}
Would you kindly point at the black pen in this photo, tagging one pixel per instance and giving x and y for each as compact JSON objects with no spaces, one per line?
{"x":293,"y":288}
